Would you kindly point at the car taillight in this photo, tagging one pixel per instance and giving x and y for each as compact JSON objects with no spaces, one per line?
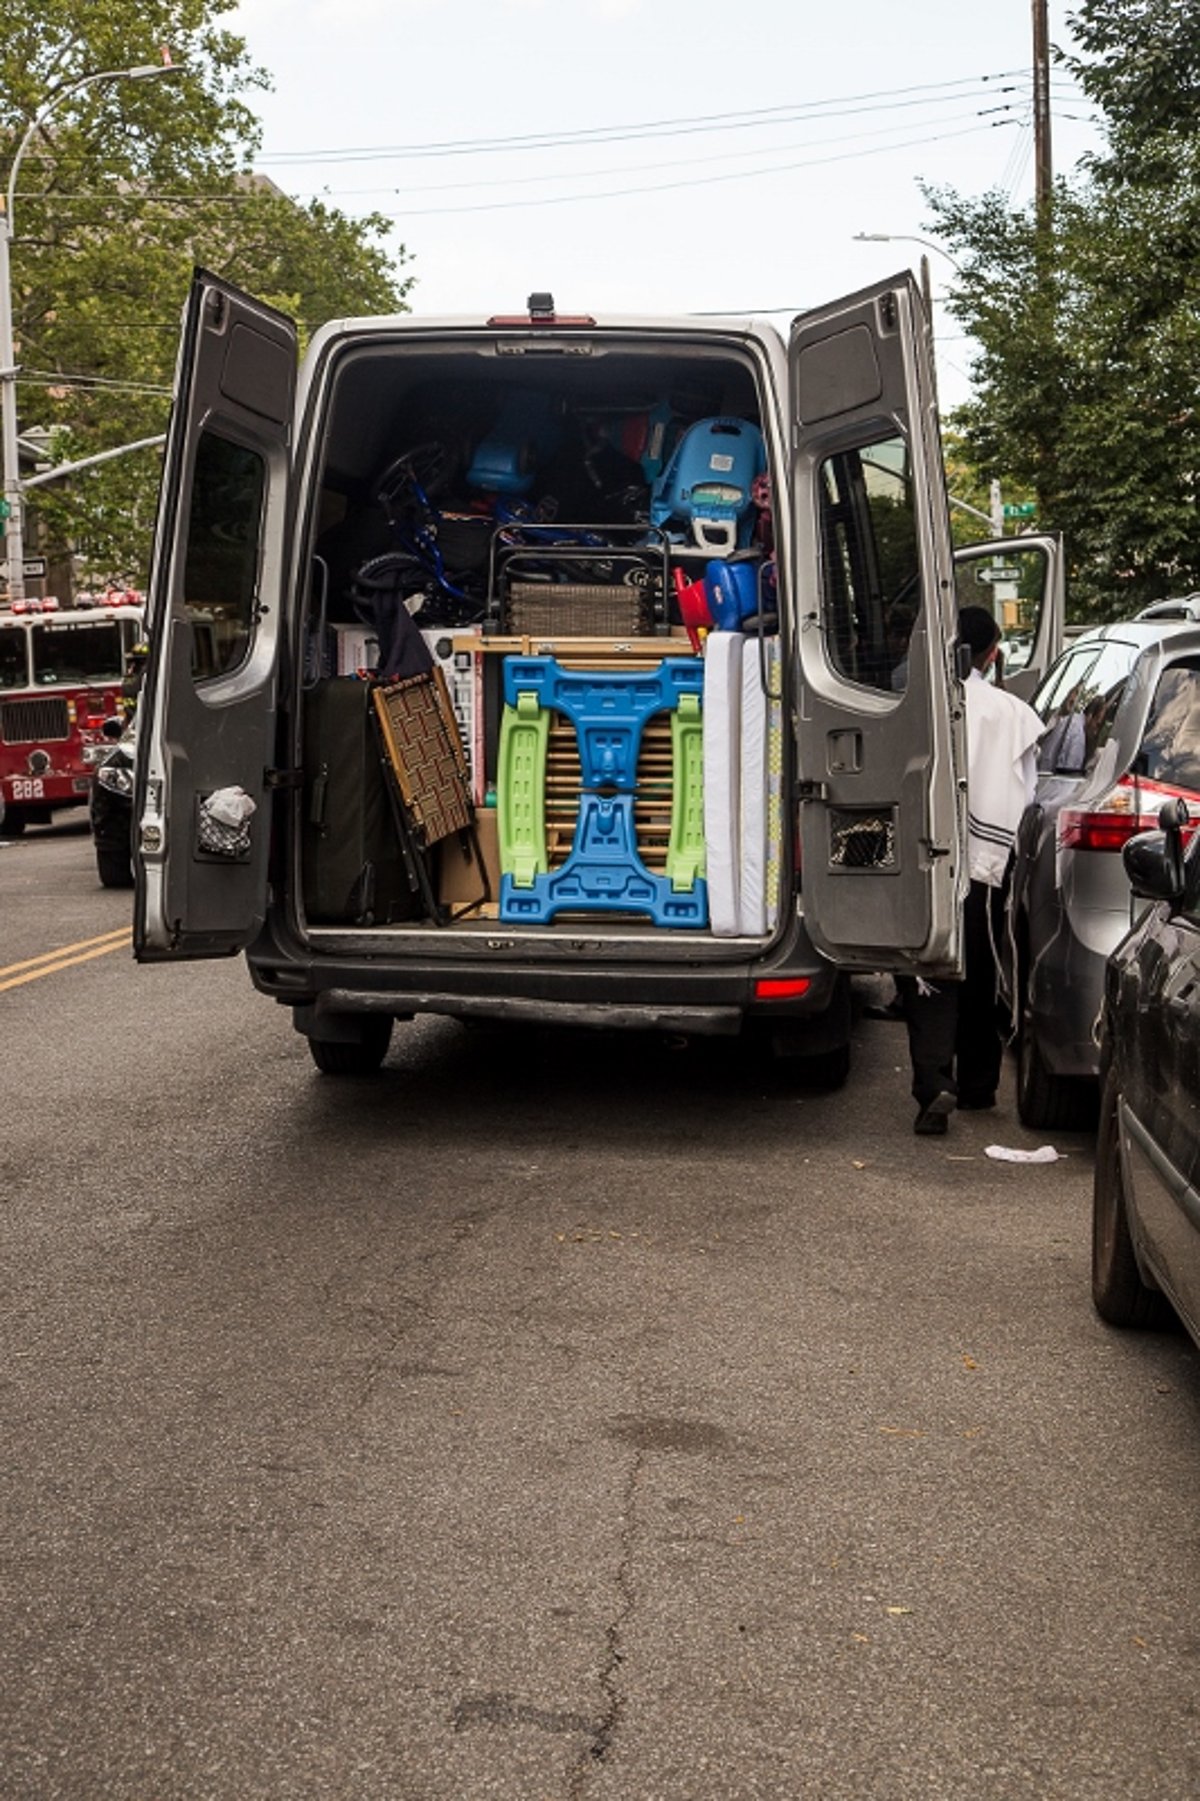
{"x":1109,"y":823}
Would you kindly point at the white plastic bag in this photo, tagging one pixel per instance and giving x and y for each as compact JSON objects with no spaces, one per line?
{"x":224,"y":829}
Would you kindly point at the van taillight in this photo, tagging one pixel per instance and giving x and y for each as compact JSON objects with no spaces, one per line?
{"x":1128,"y":808}
{"x":778,"y":988}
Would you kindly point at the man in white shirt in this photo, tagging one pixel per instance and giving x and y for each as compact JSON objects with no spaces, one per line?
{"x":954,"y":1037}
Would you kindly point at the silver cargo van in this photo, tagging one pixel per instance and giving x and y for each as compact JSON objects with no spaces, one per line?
{"x":652,"y":825}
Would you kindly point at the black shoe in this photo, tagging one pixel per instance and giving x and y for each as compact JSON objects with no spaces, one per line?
{"x":976,"y":1103}
{"x":931,"y":1121}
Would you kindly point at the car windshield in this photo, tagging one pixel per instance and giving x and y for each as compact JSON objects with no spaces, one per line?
{"x":90,"y":652}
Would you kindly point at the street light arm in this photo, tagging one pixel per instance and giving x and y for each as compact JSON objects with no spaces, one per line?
{"x":140,"y":72}
{"x":905,"y":237}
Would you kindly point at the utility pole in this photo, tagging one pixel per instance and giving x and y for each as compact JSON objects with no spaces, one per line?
{"x":1043,"y":171}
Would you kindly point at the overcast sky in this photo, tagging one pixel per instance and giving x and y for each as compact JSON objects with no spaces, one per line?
{"x":698,"y":156}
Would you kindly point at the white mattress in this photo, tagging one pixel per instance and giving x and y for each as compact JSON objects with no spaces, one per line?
{"x":722,"y":787}
{"x":761,"y":791}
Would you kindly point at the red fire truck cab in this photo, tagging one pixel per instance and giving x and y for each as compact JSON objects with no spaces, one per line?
{"x":61,"y":672}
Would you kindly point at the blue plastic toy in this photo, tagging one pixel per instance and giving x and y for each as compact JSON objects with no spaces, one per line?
{"x":732,"y":593}
{"x":506,"y":460}
{"x":706,"y":486}
{"x":603,"y":872}
{"x":607,"y":709}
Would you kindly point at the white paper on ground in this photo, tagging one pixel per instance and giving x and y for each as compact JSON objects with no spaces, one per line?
{"x":1005,"y":1153}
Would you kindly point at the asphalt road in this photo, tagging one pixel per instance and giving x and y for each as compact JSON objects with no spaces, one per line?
{"x":552,"y":1419}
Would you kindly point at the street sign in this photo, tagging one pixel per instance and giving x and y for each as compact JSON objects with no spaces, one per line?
{"x":34,"y":569}
{"x":1020,"y":509}
{"x":998,"y":572}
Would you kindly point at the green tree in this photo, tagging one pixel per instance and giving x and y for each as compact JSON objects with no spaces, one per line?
{"x":1089,"y":344}
{"x":120,"y":193}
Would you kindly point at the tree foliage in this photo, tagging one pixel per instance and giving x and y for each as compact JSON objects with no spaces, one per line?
{"x":120,"y":192}
{"x":1089,"y":338}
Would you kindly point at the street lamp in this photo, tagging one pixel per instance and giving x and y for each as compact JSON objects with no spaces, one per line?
{"x":904,"y":237}
{"x":14,"y":525}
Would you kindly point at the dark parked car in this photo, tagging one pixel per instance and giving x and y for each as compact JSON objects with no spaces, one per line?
{"x":110,"y":806}
{"x":1122,"y":713}
{"x":1146,"y":1217}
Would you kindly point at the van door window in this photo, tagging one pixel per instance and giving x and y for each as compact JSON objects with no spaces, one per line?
{"x":871,"y":588}
{"x":1012,"y":588}
{"x":220,"y":592}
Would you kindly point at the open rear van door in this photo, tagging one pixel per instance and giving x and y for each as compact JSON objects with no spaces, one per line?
{"x":215,"y":627}
{"x":1021,"y":582}
{"x":880,"y":733}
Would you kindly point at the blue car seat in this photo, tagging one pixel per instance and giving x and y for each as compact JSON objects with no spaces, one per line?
{"x":705,"y":489}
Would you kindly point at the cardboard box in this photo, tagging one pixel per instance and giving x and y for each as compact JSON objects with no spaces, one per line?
{"x":458,"y":876}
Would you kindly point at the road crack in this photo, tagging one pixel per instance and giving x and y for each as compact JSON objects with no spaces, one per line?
{"x":609,"y":1675}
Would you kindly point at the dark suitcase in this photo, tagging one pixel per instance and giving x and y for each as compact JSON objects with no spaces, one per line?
{"x":354,"y":866}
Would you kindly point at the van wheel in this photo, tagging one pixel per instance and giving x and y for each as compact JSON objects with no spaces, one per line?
{"x":359,"y":1058}
{"x":1120,"y":1295}
{"x":112,"y":866}
{"x":822,"y":1073}
{"x":13,"y":823}
{"x":818,"y":1072}
{"x":1044,"y":1100}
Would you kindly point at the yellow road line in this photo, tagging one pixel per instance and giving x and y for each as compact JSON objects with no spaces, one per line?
{"x":53,"y":961}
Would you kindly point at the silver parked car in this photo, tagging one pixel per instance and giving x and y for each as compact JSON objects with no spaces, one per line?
{"x":1122,"y":714}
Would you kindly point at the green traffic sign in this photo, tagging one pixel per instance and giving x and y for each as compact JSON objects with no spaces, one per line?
{"x":5,"y":509}
{"x":1020,"y":509}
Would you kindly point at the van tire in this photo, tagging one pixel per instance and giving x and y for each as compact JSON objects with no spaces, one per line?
{"x":362,"y":1057}
{"x":13,"y":824}
{"x":1120,"y":1296}
{"x":821,"y":1073}
{"x":818,"y":1072}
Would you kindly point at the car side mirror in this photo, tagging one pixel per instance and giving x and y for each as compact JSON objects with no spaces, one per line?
{"x":1154,"y":860}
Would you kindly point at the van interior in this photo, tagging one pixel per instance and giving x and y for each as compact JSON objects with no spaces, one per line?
{"x":540,"y":678}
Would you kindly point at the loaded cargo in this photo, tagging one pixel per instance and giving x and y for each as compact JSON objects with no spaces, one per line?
{"x":545,"y":668}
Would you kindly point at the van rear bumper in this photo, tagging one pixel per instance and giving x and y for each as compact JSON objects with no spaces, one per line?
{"x":323,"y":1017}
{"x":711,"y":1000}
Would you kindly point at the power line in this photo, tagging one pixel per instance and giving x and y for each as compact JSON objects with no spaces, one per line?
{"x":49,"y":378}
{"x":662,"y":187}
{"x":746,"y":119}
{"x":525,"y":180}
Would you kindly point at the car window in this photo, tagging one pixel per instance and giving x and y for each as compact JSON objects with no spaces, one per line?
{"x":1080,"y":707}
{"x":1059,"y":702}
{"x":1170,"y":748}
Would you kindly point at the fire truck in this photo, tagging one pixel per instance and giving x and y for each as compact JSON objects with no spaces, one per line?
{"x":61,"y":674}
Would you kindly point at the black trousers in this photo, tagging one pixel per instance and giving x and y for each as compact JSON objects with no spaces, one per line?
{"x":954,"y":1041}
